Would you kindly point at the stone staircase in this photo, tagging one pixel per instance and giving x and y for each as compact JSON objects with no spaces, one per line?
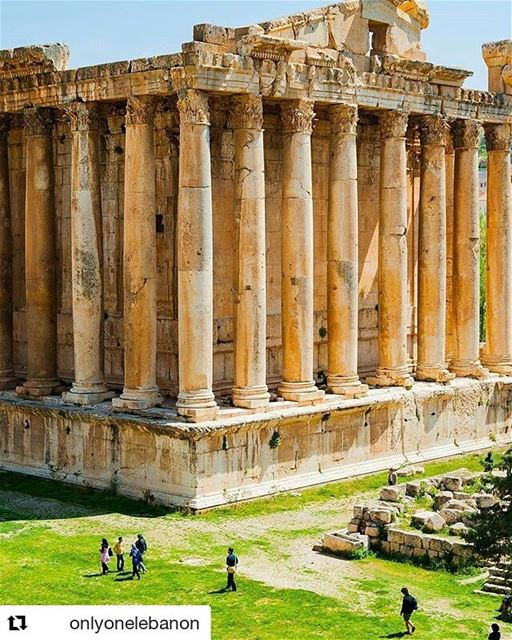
{"x":499,"y":581}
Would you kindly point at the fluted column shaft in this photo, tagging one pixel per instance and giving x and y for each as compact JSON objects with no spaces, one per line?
{"x":497,"y":354}
{"x":432,"y":253}
{"x":40,"y":256}
{"x":450,"y":167}
{"x":466,"y":252}
{"x":250,"y":389}
{"x":342,"y":255}
{"x":297,"y":253}
{"x":393,"y":369}
{"x":7,"y":378}
{"x":195,"y":260}
{"x":139,"y":260}
{"x":86,"y":257}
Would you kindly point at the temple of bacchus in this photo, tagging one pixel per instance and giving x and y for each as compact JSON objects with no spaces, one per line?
{"x":253,"y":265}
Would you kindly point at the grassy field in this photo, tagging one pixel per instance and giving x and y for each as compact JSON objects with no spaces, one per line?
{"x":50,"y":535}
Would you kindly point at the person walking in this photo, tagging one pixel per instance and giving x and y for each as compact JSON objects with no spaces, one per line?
{"x":231,"y":567}
{"x":495,"y":633}
{"x":142,"y":546}
{"x":119,"y":551}
{"x":409,"y":606}
{"x":105,"y":553}
{"x":136,"y":561}
{"x":392,"y":477}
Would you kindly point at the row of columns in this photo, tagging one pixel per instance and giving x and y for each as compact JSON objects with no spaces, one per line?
{"x":195,"y":256}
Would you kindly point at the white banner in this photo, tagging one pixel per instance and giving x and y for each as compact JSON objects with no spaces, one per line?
{"x":105,"y":622}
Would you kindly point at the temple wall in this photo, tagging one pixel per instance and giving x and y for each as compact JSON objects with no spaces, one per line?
{"x":224,"y":230}
{"x":244,"y":457}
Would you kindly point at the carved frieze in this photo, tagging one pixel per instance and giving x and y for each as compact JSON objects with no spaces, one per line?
{"x":432,"y":129}
{"x":38,"y":122}
{"x":82,"y":117}
{"x":297,"y":116}
{"x":140,"y":110}
{"x":343,"y":118}
{"x":497,"y":137}
{"x":466,"y":134}
{"x":393,"y":124}
{"x":246,"y":112}
{"x":193,"y":107}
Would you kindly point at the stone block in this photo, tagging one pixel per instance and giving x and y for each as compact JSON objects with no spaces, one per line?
{"x":462,"y":549}
{"x":406,"y":550}
{"x":413,"y":539}
{"x":396,"y":536}
{"x":459,"y":529}
{"x":409,"y":471}
{"x":413,"y":488}
{"x":418,"y":552}
{"x":438,"y":544}
{"x":382,"y":516}
{"x":385,"y":546}
{"x":458,"y":505}
{"x":485,"y":500}
{"x":358,"y":510}
{"x":433,"y":554}
{"x":429,"y":521}
{"x":372,"y":531}
{"x":441,"y":499}
{"x":451,"y":516}
{"x":394,"y":547}
{"x":451,"y":483}
{"x":392,"y":494}
{"x":353,"y":528}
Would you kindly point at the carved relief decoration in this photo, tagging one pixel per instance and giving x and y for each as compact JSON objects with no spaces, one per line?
{"x":247,"y":112}
{"x":498,"y":137}
{"x":193,"y":107}
{"x":393,"y":124}
{"x":466,"y":134}
{"x":297,"y":116}
{"x":433,"y":130}
{"x":140,"y":110}
{"x":343,"y":119}
{"x":82,"y":117}
{"x":38,"y":122}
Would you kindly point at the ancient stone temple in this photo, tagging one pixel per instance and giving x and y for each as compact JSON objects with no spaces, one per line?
{"x":254,"y":264}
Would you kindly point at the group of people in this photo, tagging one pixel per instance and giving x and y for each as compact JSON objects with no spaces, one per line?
{"x":137,"y":551}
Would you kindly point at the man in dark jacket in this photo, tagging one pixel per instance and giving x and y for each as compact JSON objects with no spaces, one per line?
{"x":142,"y":546}
{"x":231,"y":566}
{"x":409,"y":606}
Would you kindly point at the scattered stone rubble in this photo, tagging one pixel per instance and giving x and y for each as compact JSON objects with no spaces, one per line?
{"x":375,"y":523}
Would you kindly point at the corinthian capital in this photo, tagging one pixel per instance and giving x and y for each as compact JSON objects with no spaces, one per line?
{"x":297,"y":116}
{"x":140,"y":110}
{"x":247,"y":112}
{"x":497,"y":137}
{"x":193,"y":107}
{"x":82,"y":116}
{"x":37,"y":122}
{"x":466,"y":134}
{"x":433,"y":130}
{"x":393,"y":124}
{"x":343,"y":119}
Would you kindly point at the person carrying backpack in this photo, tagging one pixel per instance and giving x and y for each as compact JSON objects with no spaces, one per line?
{"x":142,"y":546}
{"x":409,"y":606}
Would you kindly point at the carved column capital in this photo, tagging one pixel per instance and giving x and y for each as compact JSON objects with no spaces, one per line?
{"x":297,"y":116}
{"x":82,"y":116}
{"x":393,"y":124}
{"x":140,"y":110}
{"x":466,"y":134}
{"x":247,"y":112}
{"x":343,"y":118}
{"x":433,"y":130}
{"x":38,"y":122}
{"x":193,"y":107}
{"x":498,"y":137}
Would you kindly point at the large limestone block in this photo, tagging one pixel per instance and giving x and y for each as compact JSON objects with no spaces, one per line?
{"x":459,"y":505}
{"x":485,"y":500}
{"x":459,"y":529}
{"x":430,"y":521}
{"x":382,"y":516}
{"x":392,"y":494}
{"x":342,"y":542}
{"x":441,"y":499}
{"x":451,"y":516}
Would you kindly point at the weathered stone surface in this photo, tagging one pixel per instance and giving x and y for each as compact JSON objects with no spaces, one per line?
{"x":451,"y":516}
{"x":393,"y":493}
{"x":459,"y":505}
{"x":428,"y":520}
{"x":459,"y":529}
{"x":485,"y":500}
{"x":441,"y":499}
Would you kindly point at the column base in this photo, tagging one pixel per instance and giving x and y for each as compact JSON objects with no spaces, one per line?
{"x":348,"y":386}
{"x":8,"y":380}
{"x":434,"y":373}
{"x":251,"y":397}
{"x":304,"y":393}
{"x":197,"y":406}
{"x":87,"y":395}
{"x":399,"y":377}
{"x":137,"y":400}
{"x":39,"y":388}
{"x":469,"y":369}
{"x":501,"y":365}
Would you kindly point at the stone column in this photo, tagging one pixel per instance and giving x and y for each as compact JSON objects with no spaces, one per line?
{"x":250,"y":389}
{"x":7,"y":377}
{"x":342,"y":255}
{"x":195,"y":260}
{"x":466,"y":253}
{"x":86,"y":258}
{"x":393,"y":369}
{"x":297,"y":254}
{"x":497,"y":354}
{"x":450,"y":166}
{"x":432,"y":253}
{"x":40,"y":256}
{"x":139,"y":260}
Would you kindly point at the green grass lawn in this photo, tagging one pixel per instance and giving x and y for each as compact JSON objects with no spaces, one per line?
{"x":50,"y":535}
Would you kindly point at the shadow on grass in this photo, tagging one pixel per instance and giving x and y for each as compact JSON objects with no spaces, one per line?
{"x":126,"y":579}
{"x":94,"y":575}
{"x":218,"y":592}
{"x":398,"y":634}
{"x":94,"y":501}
